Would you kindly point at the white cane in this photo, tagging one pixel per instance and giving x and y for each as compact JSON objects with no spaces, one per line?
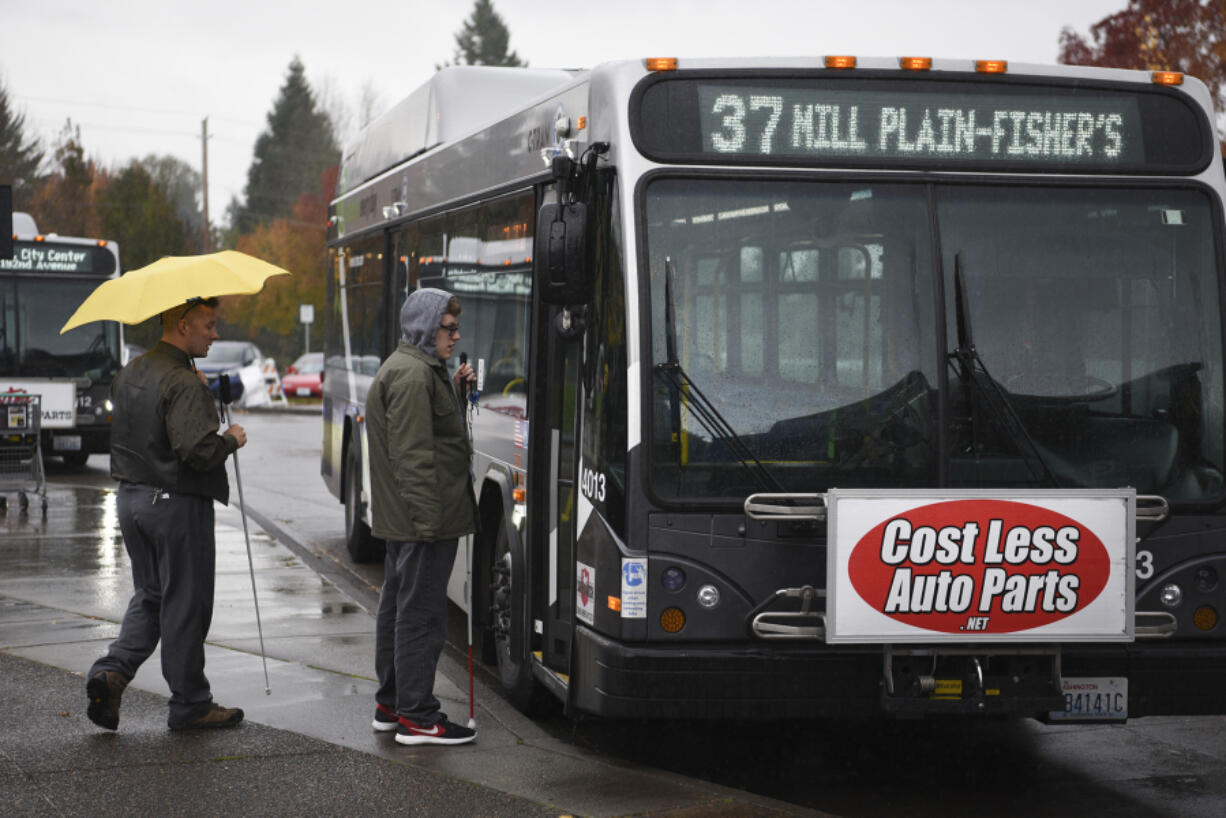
{"x":468,"y":592}
{"x":468,"y":565}
{"x":224,"y":385}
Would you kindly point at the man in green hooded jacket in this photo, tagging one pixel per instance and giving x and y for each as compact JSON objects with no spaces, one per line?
{"x":422,"y":502}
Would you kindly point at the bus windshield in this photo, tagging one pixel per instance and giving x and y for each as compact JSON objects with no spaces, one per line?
{"x":32,"y":310}
{"x":795,"y":330}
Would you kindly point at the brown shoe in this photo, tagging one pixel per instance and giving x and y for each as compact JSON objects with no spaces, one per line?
{"x":105,"y":689}
{"x":215,"y":716}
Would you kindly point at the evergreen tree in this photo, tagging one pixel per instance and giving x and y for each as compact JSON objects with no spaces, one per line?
{"x":20,"y":157}
{"x":137,"y":212}
{"x":291,"y":156}
{"x":483,"y":39}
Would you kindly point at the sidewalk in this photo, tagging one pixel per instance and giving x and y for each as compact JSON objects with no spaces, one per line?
{"x":54,"y":762}
{"x":307,"y":748}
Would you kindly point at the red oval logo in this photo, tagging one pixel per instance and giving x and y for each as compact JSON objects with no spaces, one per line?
{"x":979,"y":566}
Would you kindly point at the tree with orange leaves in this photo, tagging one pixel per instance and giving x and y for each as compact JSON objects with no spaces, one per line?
{"x":270,"y":317}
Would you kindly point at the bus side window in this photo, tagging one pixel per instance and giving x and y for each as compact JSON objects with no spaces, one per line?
{"x":483,"y":255}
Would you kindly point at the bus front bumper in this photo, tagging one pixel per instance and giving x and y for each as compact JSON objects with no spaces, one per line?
{"x":748,"y":681}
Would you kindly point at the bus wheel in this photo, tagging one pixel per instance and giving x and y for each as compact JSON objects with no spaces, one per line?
{"x":362,"y":545}
{"x":75,"y":459}
{"x":508,"y":614}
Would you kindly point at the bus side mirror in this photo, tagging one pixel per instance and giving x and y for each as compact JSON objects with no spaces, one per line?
{"x":561,"y":253}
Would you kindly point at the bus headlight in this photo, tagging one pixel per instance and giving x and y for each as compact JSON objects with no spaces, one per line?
{"x":110,"y":407}
{"x":1206,"y":578}
{"x":1171,"y":595}
{"x":708,"y":596}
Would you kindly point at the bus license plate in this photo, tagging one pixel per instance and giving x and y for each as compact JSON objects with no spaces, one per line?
{"x":66,"y":443}
{"x":1093,"y":698}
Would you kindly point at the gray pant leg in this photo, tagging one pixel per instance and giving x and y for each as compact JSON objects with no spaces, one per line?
{"x":385,"y":631}
{"x":416,"y":585}
{"x":173,"y":568}
{"x":141,"y":628}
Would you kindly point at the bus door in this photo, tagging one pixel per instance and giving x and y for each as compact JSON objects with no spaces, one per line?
{"x":554,"y":448}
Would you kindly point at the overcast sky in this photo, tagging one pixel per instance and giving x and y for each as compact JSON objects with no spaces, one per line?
{"x":138,"y":76}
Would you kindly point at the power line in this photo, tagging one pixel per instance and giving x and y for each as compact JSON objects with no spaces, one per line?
{"x":130,"y":129}
{"x":164,"y":111}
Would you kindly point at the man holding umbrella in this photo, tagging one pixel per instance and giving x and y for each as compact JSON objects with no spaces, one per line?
{"x":170,"y":461}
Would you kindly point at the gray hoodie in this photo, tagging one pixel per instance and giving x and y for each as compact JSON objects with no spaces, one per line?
{"x":420,"y":318}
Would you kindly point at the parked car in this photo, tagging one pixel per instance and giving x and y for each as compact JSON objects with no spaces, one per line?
{"x":242,"y":358}
{"x":305,"y":377}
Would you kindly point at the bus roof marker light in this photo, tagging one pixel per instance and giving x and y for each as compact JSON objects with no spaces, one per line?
{"x":841,"y":62}
{"x":660,"y":63}
{"x":1167,"y":77}
{"x":991,"y":66}
{"x":915,"y":63}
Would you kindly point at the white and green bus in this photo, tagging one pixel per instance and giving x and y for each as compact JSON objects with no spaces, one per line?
{"x":40,"y":286}
{"x":815,"y":386}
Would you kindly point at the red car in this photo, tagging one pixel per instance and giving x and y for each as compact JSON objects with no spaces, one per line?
{"x":305,"y":376}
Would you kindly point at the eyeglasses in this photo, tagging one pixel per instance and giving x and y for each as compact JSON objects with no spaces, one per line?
{"x":451,"y":329}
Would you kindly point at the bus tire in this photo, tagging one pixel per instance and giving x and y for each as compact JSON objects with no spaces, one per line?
{"x":362,"y":545}
{"x":507,"y":605}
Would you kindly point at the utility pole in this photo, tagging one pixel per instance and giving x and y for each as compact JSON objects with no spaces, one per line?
{"x":204,"y":180}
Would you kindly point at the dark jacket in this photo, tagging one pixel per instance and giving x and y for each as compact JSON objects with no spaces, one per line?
{"x":420,"y":453}
{"x":165,"y":428}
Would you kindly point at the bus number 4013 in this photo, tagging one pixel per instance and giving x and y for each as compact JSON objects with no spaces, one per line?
{"x":593,"y":485}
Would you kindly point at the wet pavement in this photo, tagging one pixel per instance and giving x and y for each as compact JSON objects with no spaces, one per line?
{"x":307,"y":746}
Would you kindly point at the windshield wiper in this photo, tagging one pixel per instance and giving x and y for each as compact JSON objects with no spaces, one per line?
{"x":682,"y":386}
{"x":975,"y":373}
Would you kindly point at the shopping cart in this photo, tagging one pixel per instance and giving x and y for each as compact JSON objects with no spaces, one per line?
{"x":21,"y":454}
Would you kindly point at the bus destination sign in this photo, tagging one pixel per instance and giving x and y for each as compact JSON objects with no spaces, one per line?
{"x":823,"y":123}
{"x":1045,"y":124}
{"x":43,"y":257}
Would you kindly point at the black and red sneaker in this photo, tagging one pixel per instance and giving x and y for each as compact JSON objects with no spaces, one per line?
{"x":386,"y":719}
{"x":441,"y":732}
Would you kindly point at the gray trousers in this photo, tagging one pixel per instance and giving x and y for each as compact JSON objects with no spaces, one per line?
{"x":171,"y":547}
{"x":411,"y":627}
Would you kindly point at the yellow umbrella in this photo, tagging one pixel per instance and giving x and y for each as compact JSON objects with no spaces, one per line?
{"x":169,"y":281}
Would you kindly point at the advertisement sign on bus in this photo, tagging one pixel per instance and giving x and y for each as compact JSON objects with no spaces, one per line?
{"x":946,"y":566}
{"x":59,"y":399}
